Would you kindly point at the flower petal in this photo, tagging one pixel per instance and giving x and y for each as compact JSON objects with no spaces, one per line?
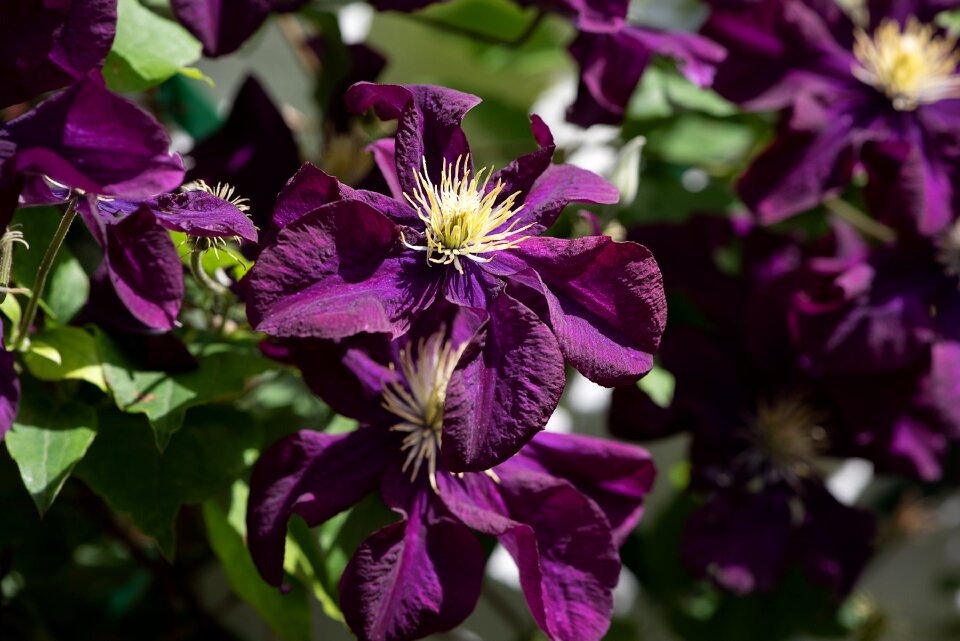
{"x":313,"y":475}
{"x":223,"y":25}
{"x":428,"y":127}
{"x":48,"y":45}
{"x":9,"y":389}
{"x":335,"y":272}
{"x":88,"y":138}
{"x":606,"y":303}
{"x":505,"y":393}
{"x":556,"y":188}
{"x":198,"y":213}
{"x":615,"y":475}
{"x":412,"y":578}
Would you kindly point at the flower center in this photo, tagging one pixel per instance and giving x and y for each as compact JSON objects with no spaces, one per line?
{"x":948,"y":250}
{"x":912,"y":67}
{"x":789,"y":433}
{"x":462,"y":218}
{"x":419,"y":403}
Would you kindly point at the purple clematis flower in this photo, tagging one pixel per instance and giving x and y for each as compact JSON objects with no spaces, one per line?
{"x":223,"y":25}
{"x":758,"y":429}
{"x":90,"y":146}
{"x":883,"y":326}
{"x":561,"y":507}
{"x":9,"y":389}
{"x":48,"y":45}
{"x":881,"y":96}
{"x":612,"y":63}
{"x":349,"y":261}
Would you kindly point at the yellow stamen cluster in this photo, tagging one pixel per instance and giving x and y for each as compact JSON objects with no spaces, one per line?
{"x":420,"y":402}
{"x":789,"y":432}
{"x":913,"y":67}
{"x":462,"y":217}
{"x":223,"y":191}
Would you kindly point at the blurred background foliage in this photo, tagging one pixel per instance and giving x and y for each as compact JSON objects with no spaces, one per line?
{"x":132,"y":526}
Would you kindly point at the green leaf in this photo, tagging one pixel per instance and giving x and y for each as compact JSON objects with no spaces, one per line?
{"x":659,"y":385}
{"x":147,"y":50}
{"x":47,"y":441}
{"x":288,"y":615}
{"x":124,"y":467}
{"x":65,"y":353}
{"x":165,"y":398}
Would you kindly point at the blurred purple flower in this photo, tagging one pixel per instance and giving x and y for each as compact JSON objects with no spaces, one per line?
{"x":9,"y":389}
{"x":612,"y":63}
{"x":849,"y":105}
{"x":349,"y":261}
{"x":48,"y":45}
{"x":759,"y":427}
{"x":224,"y":25}
{"x":561,"y":507}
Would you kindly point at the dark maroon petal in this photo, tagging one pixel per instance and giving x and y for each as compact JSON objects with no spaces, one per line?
{"x":412,"y":578}
{"x":254,"y":151}
{"x":309,"y":189}
{"x":559,"y":186}
{"x":616,"y":476}
{"x":559,"y":538}
{"x":835,"y":541}
{"x":499,"y":399}
{"x":198,"y":213}
{"x":385,"y":155}
{"x":223,"y":25}
{"x":9,"y":389}
{"x":902,"y":10}
{"x":91,"y":139}
{"x":428,"y":126}
{"x":740,"y":540}
{"x":944,"y":384}
{"x":634,"y":415}
{"x":336,"y":272}
{"x":48,"y":45}
{"x":145,"y":269}
{"x":612,"y":64}
{"x":315,"y":476}
{"x":606,"y":303}
{"x":910,"y":185}
{"x":521,"y":174}
{"x":799,"y":170}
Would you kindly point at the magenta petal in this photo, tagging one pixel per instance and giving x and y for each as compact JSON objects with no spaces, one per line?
{"x":308,"y":190}
{"x":606,"y":303}
{"x":559,"y":186}
{"x":521,"y":174}
{"x":91,"y":139}
{"x":428,"y":127}
{"x":617,"y":476}
{"x":385,"y":155}
{"x":559,"y":538}
{"x":145,"y":269}
{"x":313,"y":475}
{"x":9,"y":389}
{"x":48,"y":45}
{"x":412,"y":578}
{"x":198,"y":213}
{"x":799,"y":170}
{"x":505,"y":393}
{"x":336,"y":272}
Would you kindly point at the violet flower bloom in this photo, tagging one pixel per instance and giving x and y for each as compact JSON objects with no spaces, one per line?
{"x":759,"y":428}
{"x":561,"y":507}
{"x":881,"y":96}
{"x":371,"y":263}
{"x":612,"y":64}
{"x":93,"y":147}
{"x":9,"y":389}
{"x":48,"y":45}
{"x":222,"y":26}
{"x":883,"y":327}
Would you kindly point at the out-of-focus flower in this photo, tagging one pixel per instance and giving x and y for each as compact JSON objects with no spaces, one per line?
{"x":759,"y":421}
{"x":9,"y":389}
{"x":222,"y":26}
{"x":561,"y":507}
{"x":48,"y":45}
{"x":368,"y":262}
{"x":612,"y":63}
{"x":883,"y":97}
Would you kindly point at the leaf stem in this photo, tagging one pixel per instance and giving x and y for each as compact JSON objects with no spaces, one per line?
{"x":43,"y":272}
{"x":861,"y":221}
